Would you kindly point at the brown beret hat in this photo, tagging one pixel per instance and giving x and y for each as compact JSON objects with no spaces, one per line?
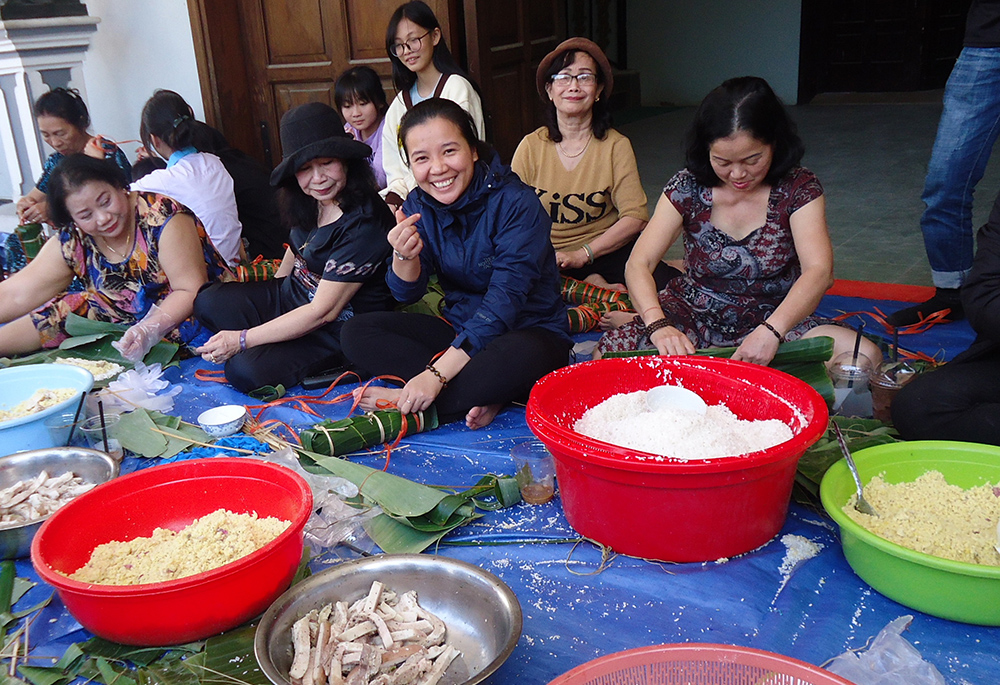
{"x":583,"y":45}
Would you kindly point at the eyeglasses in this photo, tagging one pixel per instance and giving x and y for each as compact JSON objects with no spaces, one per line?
{"x":412,"y":45}
{"x":584,"y":79}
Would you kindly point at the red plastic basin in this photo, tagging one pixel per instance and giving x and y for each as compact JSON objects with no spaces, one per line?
{"x":172,"y":496}
{"x":675,"y":510}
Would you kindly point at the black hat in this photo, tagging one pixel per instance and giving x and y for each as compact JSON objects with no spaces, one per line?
{"x":314,"y":130}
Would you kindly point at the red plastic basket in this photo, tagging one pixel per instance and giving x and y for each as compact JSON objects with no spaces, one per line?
{"x":697,"y":664}
{"x":674,"y":510}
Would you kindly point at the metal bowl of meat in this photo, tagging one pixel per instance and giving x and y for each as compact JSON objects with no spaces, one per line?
{"x":465,"y":624}
{"x":34,"y":484}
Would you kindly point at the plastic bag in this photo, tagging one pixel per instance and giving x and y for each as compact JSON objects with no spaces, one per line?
{"x":140,"y":387}
{"x":890,"y":660}
{"x":333,"y":522}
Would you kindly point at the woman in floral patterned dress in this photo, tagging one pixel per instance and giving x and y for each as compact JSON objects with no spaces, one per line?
{"x":141,"y":256}
{"x":757,"y":251}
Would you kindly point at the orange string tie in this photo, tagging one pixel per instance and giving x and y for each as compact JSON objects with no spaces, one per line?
{"x":210,"y":375}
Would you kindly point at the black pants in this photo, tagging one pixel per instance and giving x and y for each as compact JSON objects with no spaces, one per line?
{"x":401,"y":344}
{"x":235,"y":306}
{"x":959,"y":401}
{"x":612,"y":268}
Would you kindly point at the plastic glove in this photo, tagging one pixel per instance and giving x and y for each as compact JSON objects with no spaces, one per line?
{"x":140,"y":338}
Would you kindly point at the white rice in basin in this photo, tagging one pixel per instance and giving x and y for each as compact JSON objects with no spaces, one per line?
{"x":627,"y":421}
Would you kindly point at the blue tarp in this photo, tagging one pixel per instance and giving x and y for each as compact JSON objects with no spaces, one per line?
{"x":579,"y":605}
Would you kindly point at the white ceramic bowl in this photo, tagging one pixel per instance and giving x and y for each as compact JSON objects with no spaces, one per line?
{"x":222,"y":421}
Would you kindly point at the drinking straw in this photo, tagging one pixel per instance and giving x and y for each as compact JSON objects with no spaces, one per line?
{"x":854,"y":357}
{"x":895,"y":345}
{"x":104,"y":429}
{"x":76,"y":417}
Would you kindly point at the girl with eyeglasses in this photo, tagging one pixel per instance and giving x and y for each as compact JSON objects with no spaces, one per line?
{"x":422,"y":68}
{"x":584,"y":171}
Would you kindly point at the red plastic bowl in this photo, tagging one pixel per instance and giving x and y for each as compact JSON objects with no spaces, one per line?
{"x":675,"y":510}
{"x":173,"y":496}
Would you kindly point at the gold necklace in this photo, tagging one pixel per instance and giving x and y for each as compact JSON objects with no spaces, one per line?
{"x":116,"y":252}
{"x":569,"y":156}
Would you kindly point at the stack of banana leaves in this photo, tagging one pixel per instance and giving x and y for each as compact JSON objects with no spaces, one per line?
{"x":803,"y":359}
{"x":91,"y":340}
{"x":414,"y":516}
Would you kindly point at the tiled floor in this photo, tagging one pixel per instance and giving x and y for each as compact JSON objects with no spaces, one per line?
{"x":871,"y":159}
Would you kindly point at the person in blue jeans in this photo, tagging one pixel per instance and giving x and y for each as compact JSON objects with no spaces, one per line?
{"x":961,"y":400}
{"x":969,"y":126}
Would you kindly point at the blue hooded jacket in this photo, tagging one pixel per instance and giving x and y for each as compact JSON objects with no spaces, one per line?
{"x":491,"y":251}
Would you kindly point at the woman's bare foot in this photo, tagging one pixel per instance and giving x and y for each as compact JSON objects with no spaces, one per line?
{"x":613,"y":320}
{"x":480,"y":417}
{"x":599,"y":281}
{"x":375,"y":397}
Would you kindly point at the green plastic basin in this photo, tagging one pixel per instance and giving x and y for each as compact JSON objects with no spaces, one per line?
{"x":954,"y":590}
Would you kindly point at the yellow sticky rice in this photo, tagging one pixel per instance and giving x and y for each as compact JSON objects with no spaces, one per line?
{"x":930,"y":515}
{"x":209,"y":542}
{"x":43,"y":398}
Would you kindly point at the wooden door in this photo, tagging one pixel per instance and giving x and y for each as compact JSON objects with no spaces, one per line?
{"x":888,"y":45}
{"x":259,"y":58}
{"x":506,"y":39}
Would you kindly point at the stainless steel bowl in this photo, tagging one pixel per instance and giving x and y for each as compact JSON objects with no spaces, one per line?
{"x":92,"y":466}
{"x":482,"y":614}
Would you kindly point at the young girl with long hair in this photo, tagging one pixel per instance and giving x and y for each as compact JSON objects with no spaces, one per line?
{"x":422,"y":68}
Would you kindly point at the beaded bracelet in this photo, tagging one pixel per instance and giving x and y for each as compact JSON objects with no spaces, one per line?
{"x":590,"y":253}
{"x":657,"y":325}
{"x":243,"y":340}
{"x":774,"y":330}
{"x":440,"y":377}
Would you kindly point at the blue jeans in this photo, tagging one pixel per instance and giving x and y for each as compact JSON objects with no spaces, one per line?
{"x":966,"y":133}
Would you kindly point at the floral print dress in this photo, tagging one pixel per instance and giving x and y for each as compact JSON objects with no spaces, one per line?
{"x":730,"y":286}
{"x":122,"y":292}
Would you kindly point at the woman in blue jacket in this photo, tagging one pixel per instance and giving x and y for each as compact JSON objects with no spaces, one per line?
{"x":484,"y":233}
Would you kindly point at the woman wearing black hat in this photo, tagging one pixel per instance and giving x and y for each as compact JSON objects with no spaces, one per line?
{"x":584,"y":171}
{"x":282,"y":331}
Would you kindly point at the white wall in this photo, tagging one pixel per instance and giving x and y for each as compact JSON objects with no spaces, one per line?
{"x":683,"y":49}
{"x":138,"y":47}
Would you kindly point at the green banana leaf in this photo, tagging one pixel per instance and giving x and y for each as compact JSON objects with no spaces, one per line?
{"x":92,"y":340}
{"x":858,"y":434}
{"x":416,"y":516}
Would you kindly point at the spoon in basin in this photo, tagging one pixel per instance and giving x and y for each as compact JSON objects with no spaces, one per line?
{"x":675,"y":397}
{"x":861,"y":504}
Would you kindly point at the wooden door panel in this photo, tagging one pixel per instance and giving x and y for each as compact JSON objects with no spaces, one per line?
{"x":288,"y":95}
{"x":295,"y":31}
{"x":506,"y":41}
{"x":366,"y":23}
{"x":890,"y":45}
{"x":258,"y":58}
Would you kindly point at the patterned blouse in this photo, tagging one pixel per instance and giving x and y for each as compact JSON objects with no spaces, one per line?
{"x":120,"y":292}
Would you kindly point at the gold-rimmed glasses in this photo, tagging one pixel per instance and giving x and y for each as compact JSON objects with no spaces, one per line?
{"x":583,"y":80}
